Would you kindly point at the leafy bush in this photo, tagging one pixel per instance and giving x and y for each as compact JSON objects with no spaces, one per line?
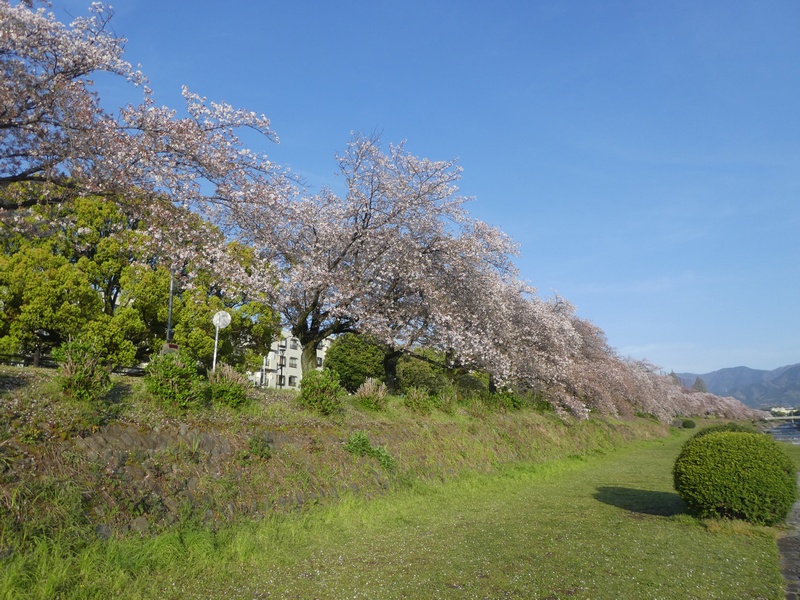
{"x":424,"y":374}
{"x":538,"y":401}
{"x":503,"y":401}
{"x":81,"y":373}
{"x":688,"y":424}
{"x":358,"y":444}
{"x":736,"y":427}
{"x":356,"y":358}
{"x":173,"y":381}
{"x":260,"y":446}
{"x":372,"y":394}
{"x":228,"y":386}
{"x":737,"y":475}
{"x":646,"y":415}
{"x":446,"y":400}
{"x":320,"y":391}
{"x":418,"y":400}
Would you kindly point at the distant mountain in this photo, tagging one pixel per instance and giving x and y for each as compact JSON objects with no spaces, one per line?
{"x":755,"y":388}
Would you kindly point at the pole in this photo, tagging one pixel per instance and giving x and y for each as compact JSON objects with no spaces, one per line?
{"x":214,"y":362}
{"x":169,"y":312}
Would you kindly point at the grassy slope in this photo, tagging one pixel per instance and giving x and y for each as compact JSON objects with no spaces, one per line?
{"x":605,"y":526}
{"x":508,"y":522}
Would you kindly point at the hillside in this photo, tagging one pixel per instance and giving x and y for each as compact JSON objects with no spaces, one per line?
{"x":128,"y":463}
{"x":756,"y":388}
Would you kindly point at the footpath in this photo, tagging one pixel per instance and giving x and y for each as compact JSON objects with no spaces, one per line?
{"x":789,"y":547}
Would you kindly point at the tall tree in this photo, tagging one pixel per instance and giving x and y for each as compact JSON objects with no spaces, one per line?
{"x":336,"y":257}
{"x":58,"y":141}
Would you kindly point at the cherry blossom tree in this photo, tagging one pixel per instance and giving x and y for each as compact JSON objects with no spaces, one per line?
{"x":57,"y":140}
{"x":362,"y":261}
{"x":440,"y":295}
{"x":396,"y":255}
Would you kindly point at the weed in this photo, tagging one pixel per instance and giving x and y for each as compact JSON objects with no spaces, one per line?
{"x":260,"y":447}
{"x":228,"y":387}
{"x":358,"y":443}
{"x":446,"y":400}
{"x":81,"y":374}
{"x":419,"y":401}
{"x":174,"y":382}
{"x":320,"y":391}
{"x":372,"y":394}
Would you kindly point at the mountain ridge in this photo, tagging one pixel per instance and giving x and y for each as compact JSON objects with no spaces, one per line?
{"x":757,"y":388}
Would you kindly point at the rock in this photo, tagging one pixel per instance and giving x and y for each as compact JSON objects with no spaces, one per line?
{"x":103,"y":531}
{"x":140,"y":525}
{"x":172,"y":505}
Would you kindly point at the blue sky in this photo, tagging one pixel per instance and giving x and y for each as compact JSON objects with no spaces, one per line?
{"x":646,"y":155}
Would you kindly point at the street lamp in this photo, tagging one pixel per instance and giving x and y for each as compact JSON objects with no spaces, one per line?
{"x":281,"y":360}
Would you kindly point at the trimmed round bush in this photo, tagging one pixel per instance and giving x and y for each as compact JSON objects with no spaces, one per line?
{"x":740,"y":427}
{"x":736,"y":475}
{"x":688,"y":424}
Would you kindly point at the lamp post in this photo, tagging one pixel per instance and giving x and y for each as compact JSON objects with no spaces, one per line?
{"x":280,"y":364}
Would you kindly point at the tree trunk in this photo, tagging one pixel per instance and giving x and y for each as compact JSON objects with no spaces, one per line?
{"x":390,"y":360}
{"x":308,"y":359}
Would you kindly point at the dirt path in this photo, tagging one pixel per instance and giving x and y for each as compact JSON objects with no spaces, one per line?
{"x":789,"y":546}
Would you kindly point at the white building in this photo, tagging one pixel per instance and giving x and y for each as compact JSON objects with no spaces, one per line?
{"x":281,"y":367}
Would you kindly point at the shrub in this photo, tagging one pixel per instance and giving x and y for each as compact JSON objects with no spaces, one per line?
{"x":423,"y":370}
{"x":320,"y":391}
{"x":358,"y":444}
{"x":688,"y":424}
{"x":503,"y":401}
{"x":228,"y":386}
{"x":646,"y":415}
{"x":355,"y":358}
{"x":260,"y":446}
{"x":737,"y":427}
{"x":418,"y":400}
{"x":173,"y":381}
{"x":81,"y":373}
{"x":736,"y":475}
{"x":446,"y":400}
{"x":372,"y":394}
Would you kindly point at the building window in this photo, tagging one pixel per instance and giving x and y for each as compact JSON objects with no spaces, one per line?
{"x":295,"y":344}
{"x":292,"y":381}
{"x":281,"y":361}
{"x":282,"y":380}
{"x":293,"y":362}
{"x":319,"y":361}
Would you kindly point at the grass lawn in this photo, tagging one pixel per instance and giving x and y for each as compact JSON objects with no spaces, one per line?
{"x":607,"y":526}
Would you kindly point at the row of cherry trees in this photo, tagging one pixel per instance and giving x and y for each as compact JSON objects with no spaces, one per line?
{"x":396,"y":255}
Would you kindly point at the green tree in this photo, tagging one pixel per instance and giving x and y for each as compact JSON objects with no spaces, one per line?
{"x":46,"y":300}
{"x":355,"y":358}
{"x":253,"y":325}
{"x":699,"y":385}
{"x":425,"y":369}
{"x":83,"y":269}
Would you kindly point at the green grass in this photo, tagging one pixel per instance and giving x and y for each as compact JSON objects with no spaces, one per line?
{"x":604,"y":526}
